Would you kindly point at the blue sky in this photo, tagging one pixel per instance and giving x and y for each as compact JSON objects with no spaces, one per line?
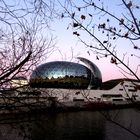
{"x":68,"y":46}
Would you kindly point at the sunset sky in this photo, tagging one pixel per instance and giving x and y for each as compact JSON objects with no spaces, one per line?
{"x":69,"y":47}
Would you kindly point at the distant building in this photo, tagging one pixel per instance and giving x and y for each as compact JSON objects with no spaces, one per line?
{"x":68,"y":75}
{"x":18,"y":82}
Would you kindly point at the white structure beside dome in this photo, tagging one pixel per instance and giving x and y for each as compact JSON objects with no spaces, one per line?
{"x":123,"y":93}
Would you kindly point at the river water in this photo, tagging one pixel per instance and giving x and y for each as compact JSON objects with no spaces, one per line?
{"x":81,"y":125}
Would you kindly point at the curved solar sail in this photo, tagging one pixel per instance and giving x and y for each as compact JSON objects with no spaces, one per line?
{"x":94,"y":69}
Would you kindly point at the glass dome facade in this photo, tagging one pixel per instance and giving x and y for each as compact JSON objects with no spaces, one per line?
{"x":62,"y":74}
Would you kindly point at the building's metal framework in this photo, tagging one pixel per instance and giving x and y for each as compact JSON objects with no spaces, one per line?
{"x":63,"y":74}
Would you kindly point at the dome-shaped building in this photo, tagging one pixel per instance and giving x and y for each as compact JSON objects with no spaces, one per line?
{"x":70,"y":75}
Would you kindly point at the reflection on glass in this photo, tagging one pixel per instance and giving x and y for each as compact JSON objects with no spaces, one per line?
{"x":61,"y":74}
